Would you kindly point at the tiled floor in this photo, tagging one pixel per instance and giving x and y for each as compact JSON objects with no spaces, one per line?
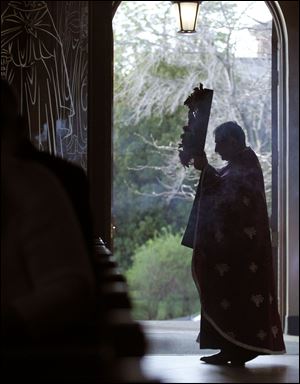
{"x":188,"y":369}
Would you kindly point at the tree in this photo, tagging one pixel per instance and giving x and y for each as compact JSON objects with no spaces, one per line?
{"x":160,"y":279}
{"x":155,"y":70}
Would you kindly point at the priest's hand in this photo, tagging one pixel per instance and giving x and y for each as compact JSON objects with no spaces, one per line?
{"x":200,"y":161}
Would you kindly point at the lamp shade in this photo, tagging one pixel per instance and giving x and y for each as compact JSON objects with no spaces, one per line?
{"x":186,"y":14}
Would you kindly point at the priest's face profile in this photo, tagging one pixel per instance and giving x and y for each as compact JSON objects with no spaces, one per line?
{"x":226,"y":146}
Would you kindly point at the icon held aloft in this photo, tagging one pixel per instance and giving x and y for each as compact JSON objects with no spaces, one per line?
{"x":194,"y":135}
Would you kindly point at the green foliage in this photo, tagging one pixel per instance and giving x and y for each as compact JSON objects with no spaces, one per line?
{"x":144,"y":219}
{"x":160,"y":279}
{"x":137,"y":216}
{"x":166,"y":70}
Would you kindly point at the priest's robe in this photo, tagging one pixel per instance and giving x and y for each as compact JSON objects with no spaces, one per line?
{"x":232,"y":263}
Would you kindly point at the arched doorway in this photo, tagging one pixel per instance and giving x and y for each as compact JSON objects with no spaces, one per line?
{"x":279,"y":124}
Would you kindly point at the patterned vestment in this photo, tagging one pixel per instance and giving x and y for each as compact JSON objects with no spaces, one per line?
{"x":232,"y":259}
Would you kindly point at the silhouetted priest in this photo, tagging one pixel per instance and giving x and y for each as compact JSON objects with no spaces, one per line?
{"x":232,"y":263}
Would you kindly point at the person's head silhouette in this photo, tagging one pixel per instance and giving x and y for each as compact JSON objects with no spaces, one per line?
{"x":229,"y":139}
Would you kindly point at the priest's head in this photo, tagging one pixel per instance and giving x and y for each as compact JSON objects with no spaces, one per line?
{"x":229,"y":139}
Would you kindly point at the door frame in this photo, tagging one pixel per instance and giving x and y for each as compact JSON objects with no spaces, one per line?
{"x":100,"y":110}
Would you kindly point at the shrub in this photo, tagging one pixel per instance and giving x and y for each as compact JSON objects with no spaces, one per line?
{"x":160,"y":279}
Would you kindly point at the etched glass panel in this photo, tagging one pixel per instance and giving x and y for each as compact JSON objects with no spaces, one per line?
{"x":44,"y":55}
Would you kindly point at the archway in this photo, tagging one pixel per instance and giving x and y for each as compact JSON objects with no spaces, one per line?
{"x":278,"y":123}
